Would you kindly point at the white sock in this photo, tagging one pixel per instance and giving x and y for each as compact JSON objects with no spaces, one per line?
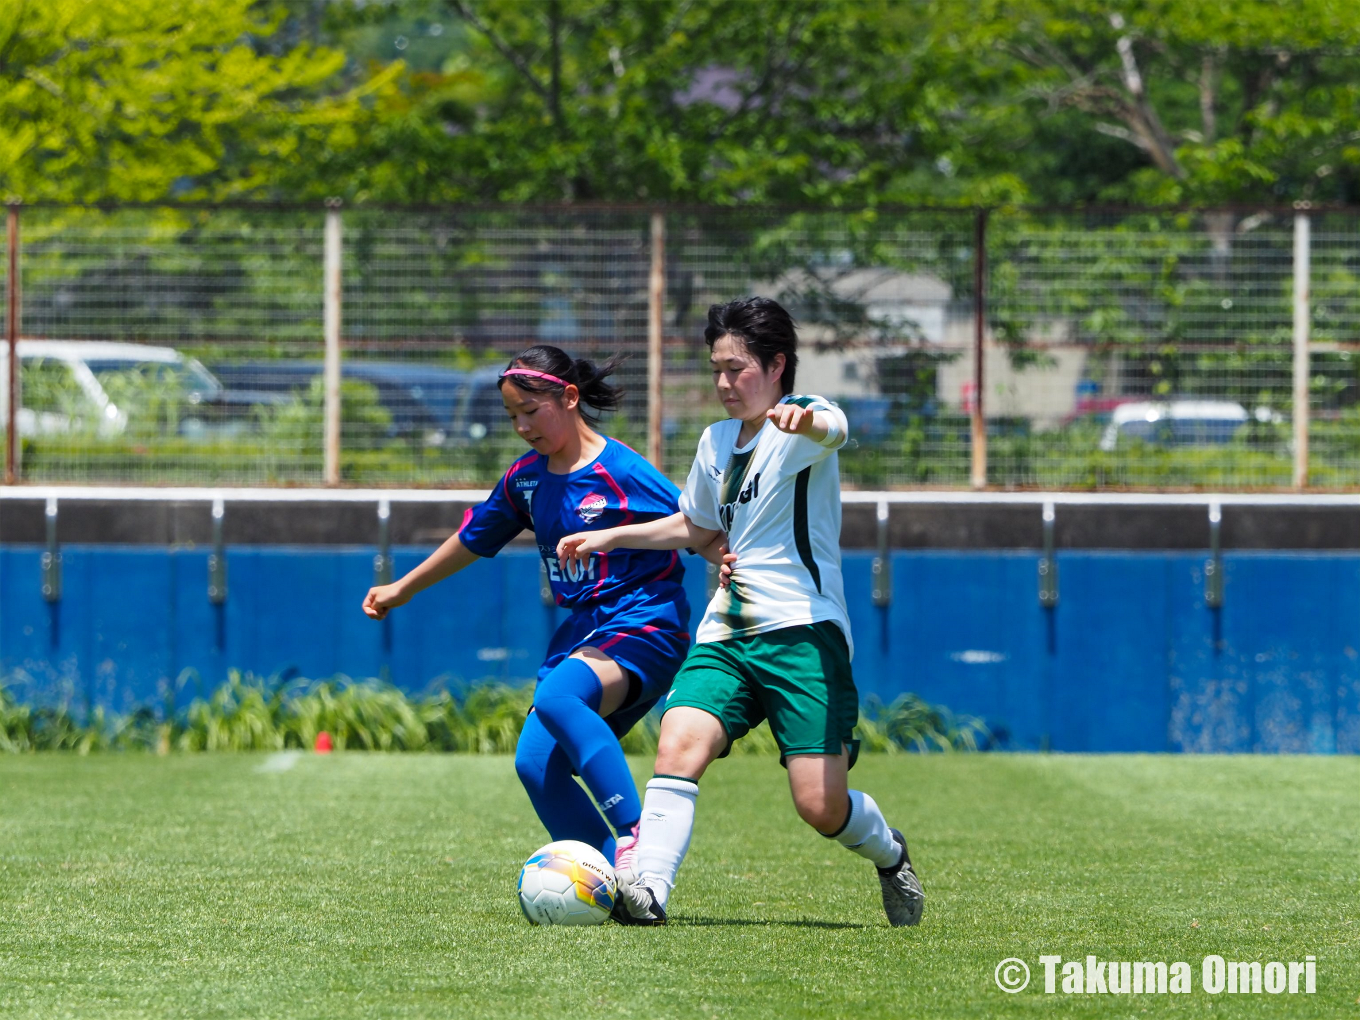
{"x":866,"y":833}
{"x":664,"y":832}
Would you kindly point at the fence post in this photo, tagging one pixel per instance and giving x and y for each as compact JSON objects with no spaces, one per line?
{"x":656,"y":301}
{"x":331,"y":422}
{"x":12,"y":299}
{"x":1302,"y":322}
{"x":979,"y":473}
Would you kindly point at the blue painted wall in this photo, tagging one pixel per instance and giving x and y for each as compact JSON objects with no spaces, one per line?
{"x":1130,"y":660}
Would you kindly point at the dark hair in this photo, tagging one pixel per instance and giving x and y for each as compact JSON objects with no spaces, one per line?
{"x":763,"y":327}
{"x":588,"y":378}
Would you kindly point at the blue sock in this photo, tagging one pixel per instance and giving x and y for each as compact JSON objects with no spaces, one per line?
{"x":566,"y":702}
{"x":562,"y":806}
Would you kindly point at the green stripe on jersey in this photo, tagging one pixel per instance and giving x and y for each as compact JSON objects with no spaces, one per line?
{"x":800,"y":526}
{"x":800,"y":401}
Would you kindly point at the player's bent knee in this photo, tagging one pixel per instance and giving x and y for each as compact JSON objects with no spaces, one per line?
{"x":681,"y":758}
{"x":555,"y":709}
{"x":530,"y":770}
{"x":821,"y":818}
{"x":689,"y":742}
{"x":531,"y":755}
{"x":823,"y":813}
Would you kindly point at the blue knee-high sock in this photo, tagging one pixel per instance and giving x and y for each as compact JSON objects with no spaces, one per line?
{"x":566,"y":701}
{"x":562,"y":806}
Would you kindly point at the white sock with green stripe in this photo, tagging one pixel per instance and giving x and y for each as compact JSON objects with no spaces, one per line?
{"x":664,"y":832}
{"x":866,"y":833}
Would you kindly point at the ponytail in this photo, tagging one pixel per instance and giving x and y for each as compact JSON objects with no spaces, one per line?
{"x":547,"y":369}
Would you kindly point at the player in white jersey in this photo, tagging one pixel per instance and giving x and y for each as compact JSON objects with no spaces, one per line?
{"x":775,"y":642}
{"x":778,"y":499}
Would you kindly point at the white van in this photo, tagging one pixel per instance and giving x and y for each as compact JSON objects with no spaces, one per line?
{"x":63,"y":383}
{"x":1174,"y":423}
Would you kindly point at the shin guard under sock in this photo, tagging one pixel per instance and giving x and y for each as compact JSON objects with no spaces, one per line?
{"x":664,"y":832}
{"x":865,"y":832}
{"x":567,"y":701}
{"x":565,"y":809}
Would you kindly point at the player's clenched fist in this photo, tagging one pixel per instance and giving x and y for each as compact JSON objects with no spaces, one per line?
{"x":791,"y":418}
{"x":578,"y":547}
{"x":382,"y":598}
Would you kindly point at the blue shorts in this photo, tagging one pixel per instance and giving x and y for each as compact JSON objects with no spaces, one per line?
{"x":645,"y":631}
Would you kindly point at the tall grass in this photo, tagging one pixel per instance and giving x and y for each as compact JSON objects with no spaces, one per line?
{"x":914,"y":724}
{"x":248,"y":713}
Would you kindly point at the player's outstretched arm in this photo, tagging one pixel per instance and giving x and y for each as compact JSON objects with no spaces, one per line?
{"x":800,"y":421}
{"x":445,"y":561}
{"x":674,"y":532}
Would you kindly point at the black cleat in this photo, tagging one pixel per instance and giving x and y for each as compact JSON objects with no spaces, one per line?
{"x":903,"y":900}
{"x":636,"y":904}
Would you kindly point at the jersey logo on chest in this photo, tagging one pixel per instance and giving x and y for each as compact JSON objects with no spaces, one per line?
{"x":728,"y":510}
{"x":592,"y":507}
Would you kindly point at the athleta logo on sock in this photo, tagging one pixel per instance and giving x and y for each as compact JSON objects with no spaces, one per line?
{"x":591,"y":507}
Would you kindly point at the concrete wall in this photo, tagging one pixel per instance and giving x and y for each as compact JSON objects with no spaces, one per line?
{"x":940,"y":523}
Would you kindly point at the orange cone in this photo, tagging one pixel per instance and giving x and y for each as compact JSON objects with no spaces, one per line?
{"x":323,"y":743}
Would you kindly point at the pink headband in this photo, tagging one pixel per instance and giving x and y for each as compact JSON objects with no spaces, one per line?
{"x":537,"y":375}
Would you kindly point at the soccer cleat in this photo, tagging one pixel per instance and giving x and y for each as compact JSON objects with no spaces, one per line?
{"x":635,"y":903}
{"x":903,"y":899}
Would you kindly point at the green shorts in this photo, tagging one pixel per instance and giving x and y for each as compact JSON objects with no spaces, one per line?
{"x":798,"y":678}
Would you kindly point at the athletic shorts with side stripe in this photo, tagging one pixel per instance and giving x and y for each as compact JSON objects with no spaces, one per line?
{"x":798,"y":678}
{"x":645,"y":631}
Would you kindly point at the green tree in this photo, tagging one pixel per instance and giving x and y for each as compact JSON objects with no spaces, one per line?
{"x":1183,"y":101}
{"x":815,"y":102}
{"x":142,"y":99}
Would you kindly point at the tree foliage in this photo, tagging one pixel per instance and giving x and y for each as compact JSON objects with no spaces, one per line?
{"x":712,"y":102}
{"x":822,"y":102}
{"x":1219,"y":102}
{"x":144,"y":99}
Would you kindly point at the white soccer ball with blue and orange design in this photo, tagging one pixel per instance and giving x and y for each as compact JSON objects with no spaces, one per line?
{"x":567,"y":882}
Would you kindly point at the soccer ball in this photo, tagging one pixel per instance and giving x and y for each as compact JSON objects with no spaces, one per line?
{"x":567,"y":883}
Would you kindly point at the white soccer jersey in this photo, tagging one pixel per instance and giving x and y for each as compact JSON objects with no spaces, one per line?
{"x":779,"y":500}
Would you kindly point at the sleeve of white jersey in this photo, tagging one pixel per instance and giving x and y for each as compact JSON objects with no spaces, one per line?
{"x":839,"y":431}
{"x":801,"y":451}
{"x":699,"y":498}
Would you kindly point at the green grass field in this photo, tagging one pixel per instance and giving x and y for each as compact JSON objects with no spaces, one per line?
{"x":363,"y":885}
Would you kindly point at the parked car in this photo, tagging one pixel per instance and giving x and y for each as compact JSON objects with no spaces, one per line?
{"x":66,"y":385}
{"x":870,"y":418}
{"x":436,"y":403}
{"x":481,"y":412}
{"x":1186,"y":422}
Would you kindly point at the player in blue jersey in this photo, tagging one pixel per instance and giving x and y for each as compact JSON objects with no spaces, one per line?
{"x":628,"y":632}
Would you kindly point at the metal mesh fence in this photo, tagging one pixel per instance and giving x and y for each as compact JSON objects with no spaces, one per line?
{"x":884,"y":305}
{"x":185,"y":345}
{"x":1146,"y":350}
{"x":1334,"y":361}
{"x":121,"y":312}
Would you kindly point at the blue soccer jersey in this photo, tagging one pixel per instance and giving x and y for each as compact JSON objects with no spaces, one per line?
{"x":617,"y":487}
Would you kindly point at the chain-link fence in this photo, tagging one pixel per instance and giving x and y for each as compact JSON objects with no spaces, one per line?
{"x":1149,"y":349}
